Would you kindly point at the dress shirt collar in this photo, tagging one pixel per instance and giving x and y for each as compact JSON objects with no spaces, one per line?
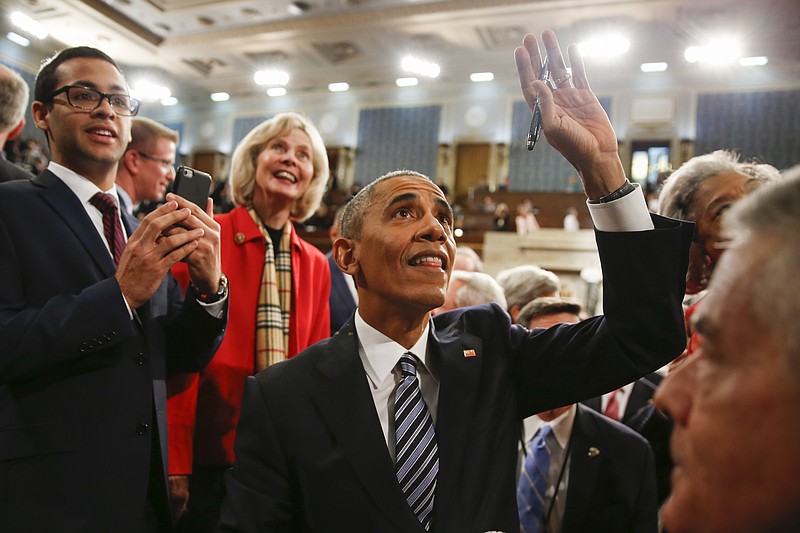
{"x":380,"y":354}
{"x":125,"y":200}
{"x":562,"y":426}
{"x":80,"y":186}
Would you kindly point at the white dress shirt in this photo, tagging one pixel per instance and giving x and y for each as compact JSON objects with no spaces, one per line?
{"x":379,"y":354}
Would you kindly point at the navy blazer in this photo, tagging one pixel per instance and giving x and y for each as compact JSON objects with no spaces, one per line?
{"x":310,"y":452}
{"x":342,"y":303}
{"x":612,"y":479}
{"x":641,"y":394}
{"x":80,"y":382}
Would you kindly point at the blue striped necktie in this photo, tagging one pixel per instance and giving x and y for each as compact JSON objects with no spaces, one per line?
{"x":417,"y":454}
{"x":533,"y":482}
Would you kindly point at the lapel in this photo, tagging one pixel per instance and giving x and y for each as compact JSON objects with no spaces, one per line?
{"x":641,"y":393}
{"x":595,"y":403}
{"x":347,"y":407}
{"x":66,"y":204}
{"x":459,"y":358}
{"x":586,"y":451}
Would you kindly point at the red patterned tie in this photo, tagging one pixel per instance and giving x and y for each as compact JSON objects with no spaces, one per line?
{"x":612,"y":407}
{"x":112,"y":226}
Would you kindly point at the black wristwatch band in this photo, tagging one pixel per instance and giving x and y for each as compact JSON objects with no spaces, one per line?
{"x":213,"y":298}
{"x":626,"y":189}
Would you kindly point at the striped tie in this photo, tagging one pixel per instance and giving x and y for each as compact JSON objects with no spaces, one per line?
{"x":417,"y":457}
{"x":533,"y":482}
{"x":112,"y":227}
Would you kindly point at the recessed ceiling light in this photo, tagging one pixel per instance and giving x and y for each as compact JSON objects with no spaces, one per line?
{"x":406,"y":82}
{"x":271,"y":77}
{"x":754,"y":61}
{"x":724,"y":50}
{"x":418,"y":66}
{"x":17,"y":38}
{"x":276,"y":91}
{"x":29,"y":25}
{"x":169,"y":100}
{"x":338,"y":87}
{"x":659,"y":66}
{"x":481,"y":76}
{"x":220,"y":97}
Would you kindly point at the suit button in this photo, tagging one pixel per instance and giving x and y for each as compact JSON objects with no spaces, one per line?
{"x":239,"y":238}
{"x":141,"y":358}
{"x":141,"y":429}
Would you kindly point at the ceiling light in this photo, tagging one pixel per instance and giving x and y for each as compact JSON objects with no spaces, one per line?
{"x":220,"y":97}
{"x":276,"y":91}
{"x":271,"y":77}
{"x":406,"y":82}
{"x":481,"y":76}
{"x":718,"y":51}
{"x":17,"y":38}
{"x":754,"y":61}
{"x":608,"y":46}
{"x":418,"y":66}
{"x":338,"y":87}
{"x":659,"y":66}
{"x":145,"y":90}
{"x":29,"y":25}
{"x":168,"y":101}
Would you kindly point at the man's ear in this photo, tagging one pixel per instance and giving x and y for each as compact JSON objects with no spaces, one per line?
{"x":39,"y":111}
{"x":344,"y":254}
{"x":131,"y":162}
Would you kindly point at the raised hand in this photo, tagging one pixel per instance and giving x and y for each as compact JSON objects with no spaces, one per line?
{"x":573,"y":121}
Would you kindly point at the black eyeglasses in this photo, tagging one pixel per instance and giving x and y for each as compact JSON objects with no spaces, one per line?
{"x":164,"y":162}
{"x":89,"y":99}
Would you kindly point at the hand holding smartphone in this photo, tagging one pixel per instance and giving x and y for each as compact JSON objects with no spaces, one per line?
{"x":193,"y":185}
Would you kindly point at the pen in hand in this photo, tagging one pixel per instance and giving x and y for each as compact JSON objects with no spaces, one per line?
{"x":536,"y":120}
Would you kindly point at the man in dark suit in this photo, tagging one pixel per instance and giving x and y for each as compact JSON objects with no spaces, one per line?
{"x":629,"y":399}
{"x":342,"y":300}
{"x":86,"y":342}
{"x":315,"y":445}
{"x":600,"y":474}
{"x":13,"y":101}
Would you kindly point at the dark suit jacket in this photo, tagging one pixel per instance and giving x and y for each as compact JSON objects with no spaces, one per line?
{"x":9,"y":171}
{"x":612,"y":489}
{"x":310,"y":453}
{"x":342,"y":302}
{"x":80,"y":382}
{"x":642,"y":392}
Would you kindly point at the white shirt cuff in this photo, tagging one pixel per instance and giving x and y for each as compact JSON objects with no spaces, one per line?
{"x":628,"y":213}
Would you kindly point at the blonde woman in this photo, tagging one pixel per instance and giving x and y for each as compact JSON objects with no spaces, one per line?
{"x":279,"y":289}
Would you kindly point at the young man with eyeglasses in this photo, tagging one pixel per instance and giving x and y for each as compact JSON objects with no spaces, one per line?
{"x":147,"y":167}
{"x":86,"y":330}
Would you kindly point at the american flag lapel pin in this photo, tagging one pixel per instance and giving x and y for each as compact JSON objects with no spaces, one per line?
{"x":469,"y":353}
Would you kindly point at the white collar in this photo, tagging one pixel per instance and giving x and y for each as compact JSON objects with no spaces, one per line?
{"x":380,"y":354}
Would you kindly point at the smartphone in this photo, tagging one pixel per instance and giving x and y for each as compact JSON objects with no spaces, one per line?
{"x":193,"y":185}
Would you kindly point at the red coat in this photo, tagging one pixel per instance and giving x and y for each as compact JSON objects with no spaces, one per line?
{"x":216,"y":392}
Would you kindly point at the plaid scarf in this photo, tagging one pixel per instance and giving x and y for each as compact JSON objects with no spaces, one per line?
{"x":274,"y":298}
